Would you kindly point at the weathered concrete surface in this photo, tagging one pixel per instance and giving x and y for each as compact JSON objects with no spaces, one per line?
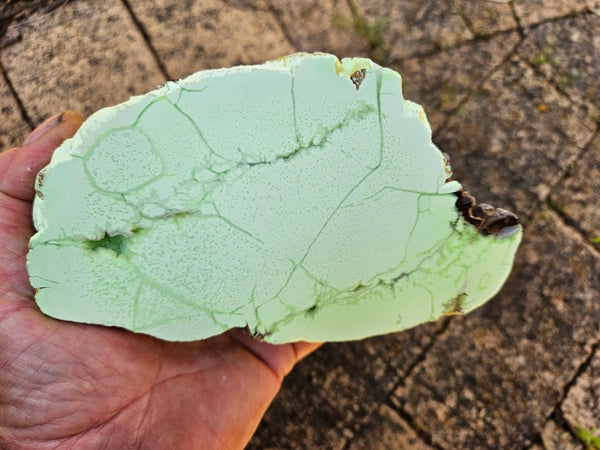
{"x":67,"y":61}
{"x":554,"y":437}
{"x":13,"y":128}
{"x":320,"y":25}
{"x":581,"y":407}
{"x":343,"y":393}
{"x":415,"y":27}
{"x":442,"y":81}
{"x":566,"y":53}
{"x":515,"y":110}
{"x":531,"y":12}
{"x":385,"y":431}
{"x":578,"y":195}
{"x":484,"y":17}
{"x":210,"y":34}
{"x":506,"y":142}
{"x":494,"y":377}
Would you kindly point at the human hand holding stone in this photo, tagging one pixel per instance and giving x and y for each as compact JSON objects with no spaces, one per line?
{"x":70,"y":385}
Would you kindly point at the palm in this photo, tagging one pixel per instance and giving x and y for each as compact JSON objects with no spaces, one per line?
{"x":69,"y":384}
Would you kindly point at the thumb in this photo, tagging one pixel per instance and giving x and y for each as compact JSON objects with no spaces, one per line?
{"x":19,"y":166}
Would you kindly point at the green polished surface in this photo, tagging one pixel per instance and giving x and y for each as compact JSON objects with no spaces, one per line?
{"x":302,"y":198}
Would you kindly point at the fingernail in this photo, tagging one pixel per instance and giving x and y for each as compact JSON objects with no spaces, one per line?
{"x":43,"y":128}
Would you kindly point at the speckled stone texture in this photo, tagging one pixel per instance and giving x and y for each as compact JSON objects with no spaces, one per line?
{"x":320,"y":25}
{"x":555,"y":437}
{"x":386,"y":431}
{"x":581,"y":407}
{"x":484,"y":17}
{"x":566,"y":53}
{"x":65,"y":61}
{"x":210,"y":34}
{"x":413,"y":28}
{"x":444,"y":80}
{"x":13,"y":128}
{"x":578,"y":195}
{"x":512,"y":91}
{"x":531,"y":12}
{"x":343,"y":393}
{"x":506,"y":144}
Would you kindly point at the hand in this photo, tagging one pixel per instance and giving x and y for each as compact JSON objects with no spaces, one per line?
{"x":69,"y":385}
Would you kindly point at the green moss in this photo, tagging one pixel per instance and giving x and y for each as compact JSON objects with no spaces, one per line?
{"x":373,"y":32}
{"x":555,"y":206}
{"x":588,"y":437}
{"x":544,"y":57}
{"x":448,"y":95}
{"x":594,"y":113}
{"x":567,"y":81}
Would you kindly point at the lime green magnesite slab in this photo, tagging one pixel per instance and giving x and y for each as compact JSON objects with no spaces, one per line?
{"x":302,"y":198}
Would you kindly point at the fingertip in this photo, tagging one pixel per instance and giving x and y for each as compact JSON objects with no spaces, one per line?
{"x":67,"y":124}
{"x":303,"y":349}
{"x":72,"y":118}
{"x":68,"y":119}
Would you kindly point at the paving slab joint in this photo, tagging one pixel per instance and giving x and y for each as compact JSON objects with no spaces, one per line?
{"x":372,"y":32}
{"x":288,"y":37}
{"x":485,"y":77}
{"x":24,"y":114}
{"x":147,"y":39}
{"x":513,"y":10}
{"x":534,"y":65}
{"x":554,"y":206}
{"x":566,"y":219}
{"x":457,"y":45}
{"x":548,"y":20}
{"x":445,"y":323}
{"x":467,"y":21}
{"x":421,"y":433}
{"x":556,"y":413}
{"x":560,"y":422}
{"x":571,"y":223}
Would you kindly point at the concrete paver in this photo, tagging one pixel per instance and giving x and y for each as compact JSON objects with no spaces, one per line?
{"x":553,"y":437}
{"x":531,"y":12}
{"x":67,"y":61}
{"x":566,"y":53}
{"x":440,"y":82}
{"x":492,"y":379}
{"x":210,"y":34}
{"x":342,"y":393}
{"x":505,"y":144}
{"x":320,"y":25}
{"x":387,"y":431}
{"x":484,"y":17}
{"x":13,"y":128}
{"x":577,"y":196}
{"x":581,"y":407}
{"x":416,"y":27}
{"x":312,"y":408}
